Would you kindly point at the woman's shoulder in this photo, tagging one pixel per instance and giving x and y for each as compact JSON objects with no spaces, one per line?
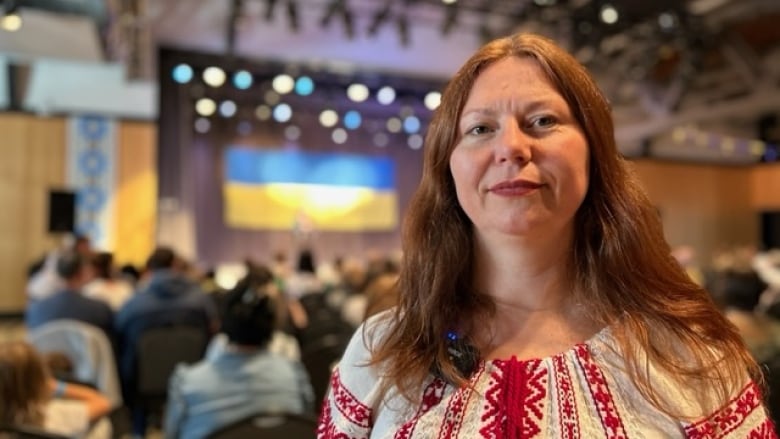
{"x":356,"y":373}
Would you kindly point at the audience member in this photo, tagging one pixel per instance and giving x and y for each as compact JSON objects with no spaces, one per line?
{"x":69,"y":302}
{"x":43,"y":280}
{"x":30,"y":397}
{"x":106,"y":286}
{"x":245,"y":376}
{"x":167,"y":298}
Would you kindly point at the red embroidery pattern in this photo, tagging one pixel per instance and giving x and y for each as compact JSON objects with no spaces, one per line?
{"x":456,"y":409}
{"x":602,"y":397}
{"x":347,"y":404}
{"x":728,"y":418}
{"x":492,"y":409}
{"x":567,"y":405}
{"x":517,"y":403}
{"x":766,"y":430}
{"x":432,"y":395}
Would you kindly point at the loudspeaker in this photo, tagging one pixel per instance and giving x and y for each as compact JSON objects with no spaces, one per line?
{"x":770,"y":230}
{"x":62,"y":211}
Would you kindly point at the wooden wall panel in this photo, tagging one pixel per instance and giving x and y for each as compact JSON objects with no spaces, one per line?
{"x":705,"y":206}
{"x":765,"y":187}
{"x":136,"y":193}
{"x":33,"y":163}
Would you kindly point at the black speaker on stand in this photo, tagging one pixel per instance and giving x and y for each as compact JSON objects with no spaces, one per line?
{"x":770,"y":230}
{"x":62,"y":211}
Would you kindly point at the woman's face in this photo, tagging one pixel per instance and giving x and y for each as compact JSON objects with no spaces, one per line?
{"x":521,"y":162}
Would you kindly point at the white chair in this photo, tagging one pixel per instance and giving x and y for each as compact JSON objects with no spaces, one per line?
{"x":88,"y":348}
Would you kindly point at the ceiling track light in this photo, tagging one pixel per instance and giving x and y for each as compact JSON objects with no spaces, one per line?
{"x":270,"y":5}
{"x":380,"y":17}
{"x":450,"y":18}
{"x":292,"y":15}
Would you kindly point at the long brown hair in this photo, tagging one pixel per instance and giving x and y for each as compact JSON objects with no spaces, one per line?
{"x":24,"y":386}
{"x":620,"y":262}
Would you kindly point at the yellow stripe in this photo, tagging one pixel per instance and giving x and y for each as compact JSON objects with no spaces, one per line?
{"x":335,"y":208}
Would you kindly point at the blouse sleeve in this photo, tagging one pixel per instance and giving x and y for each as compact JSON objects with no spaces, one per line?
{"x":744,"y":416}
{"x":354,"y":387}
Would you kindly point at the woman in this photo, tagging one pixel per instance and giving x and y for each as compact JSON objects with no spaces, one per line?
{"x":538,"y":296}
{"x":30,"y":397}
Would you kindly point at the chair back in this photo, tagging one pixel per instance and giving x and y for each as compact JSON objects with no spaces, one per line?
{"x":319,"y":358}
{"x":270,"y":426}
{"x":88,"y":348}
{"x":158,"y":352}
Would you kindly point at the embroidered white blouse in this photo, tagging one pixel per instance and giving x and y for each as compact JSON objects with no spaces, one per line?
{"x":581,"y":393}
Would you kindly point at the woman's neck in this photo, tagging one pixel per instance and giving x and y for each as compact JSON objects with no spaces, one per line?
{"x":522,"y":275}
{"x":530,"y":285}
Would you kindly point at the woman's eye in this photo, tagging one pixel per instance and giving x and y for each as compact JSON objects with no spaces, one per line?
{"x":479,"y":129}
{"x":543,"y":122}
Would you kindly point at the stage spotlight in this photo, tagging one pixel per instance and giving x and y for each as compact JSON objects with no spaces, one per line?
{"x":415,"y":141}
{"x":263,"y":112}
{"x":357,"y":92}
{"x":214,"y":76}
{"x":202,"y":125}
{"x":271,"y":97}
{"x":282,"y":113}
{"x":411,"y":125}
{"x":304,"y":86}
{"x":385,"y":95}
{"x":339,"y":136}
{"x":205,"y":107}
{"x":182,"y":73}
{"x":242,"y":79}
{"x":394,"y":125}
{"x":11,"y":21}
{"x":283,"y":84}
{"x":432,"y":100}
{"x":352,"y":120}
{"x":329,"y":118}
{"x":609,"y":14}
{"x":227,"y":108}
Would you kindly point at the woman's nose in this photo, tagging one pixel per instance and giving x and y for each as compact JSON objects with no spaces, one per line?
{"x":512,"y":144}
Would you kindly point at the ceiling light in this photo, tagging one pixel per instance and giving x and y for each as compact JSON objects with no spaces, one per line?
{"x":609,"y":14}
{"x":357,"y":92}
{"x":385,"y":95}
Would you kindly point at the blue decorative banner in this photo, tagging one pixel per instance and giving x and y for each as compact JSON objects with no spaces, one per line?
{"x":91,"y":162}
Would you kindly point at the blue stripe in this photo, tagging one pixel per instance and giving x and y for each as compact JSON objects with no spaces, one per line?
{"x":254,"y":166}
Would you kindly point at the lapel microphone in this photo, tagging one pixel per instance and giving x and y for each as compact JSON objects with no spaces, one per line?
{"x":462,"y":354}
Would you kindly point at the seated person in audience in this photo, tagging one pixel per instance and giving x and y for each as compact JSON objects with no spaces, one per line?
{"x":70,"y":303}
{"x":30,"y":397}
{"x":106,"y":286}
{"x":244,"y":377}
{"x":43,"y":280}
{"x":167,"y":298}
{"x":281,"y":342}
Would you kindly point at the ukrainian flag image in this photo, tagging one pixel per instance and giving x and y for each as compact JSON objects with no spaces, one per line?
{"x":273,"y":189}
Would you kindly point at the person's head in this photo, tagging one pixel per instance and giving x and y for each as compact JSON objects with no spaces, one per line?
{"x":253,"y":309}
{"x":162,"y":258}
{"x":306,"y":262}
{"x":103,"y":265}
{"x":72,"y":267}
{"x":23,"y":384}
